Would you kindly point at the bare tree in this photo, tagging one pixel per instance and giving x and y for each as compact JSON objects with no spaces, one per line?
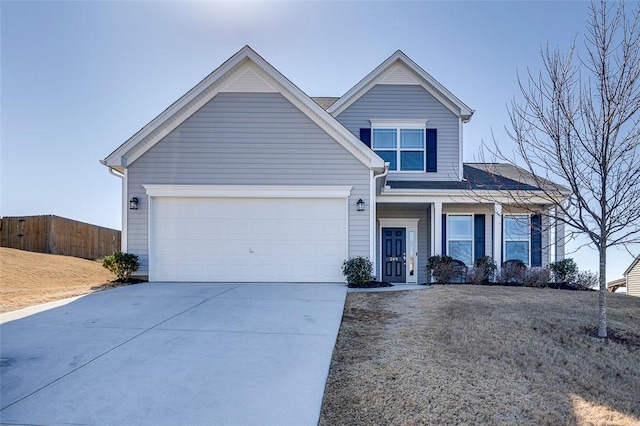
{"x":578,"y":124}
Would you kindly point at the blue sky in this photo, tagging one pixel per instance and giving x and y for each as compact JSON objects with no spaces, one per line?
{"x":79,"y":78}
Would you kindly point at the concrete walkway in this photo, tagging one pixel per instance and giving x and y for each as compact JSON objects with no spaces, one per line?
{"x":174,"y":354}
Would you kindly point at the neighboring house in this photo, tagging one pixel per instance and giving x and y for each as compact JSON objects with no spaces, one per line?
{"x":246,"y":178}
{"x":632,"y":276}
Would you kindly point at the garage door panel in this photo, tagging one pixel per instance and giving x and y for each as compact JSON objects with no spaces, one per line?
{"x":240,"y":239}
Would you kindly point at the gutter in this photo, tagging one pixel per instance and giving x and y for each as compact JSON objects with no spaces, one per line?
{"x":115,"y":173}
{"x":112,"y":171}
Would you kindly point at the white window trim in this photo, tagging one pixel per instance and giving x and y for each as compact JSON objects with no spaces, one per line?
{"x":405,"y":124}
{"x":400,"y":124}
{"x":505,"y":216}
{"x":409,"y":224}
{"x":473,"y":233}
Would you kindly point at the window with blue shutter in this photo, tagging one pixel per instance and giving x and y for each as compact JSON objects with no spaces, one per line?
{"x":432,"y":150}
{"x":460,"y":237}
{"x":405,"y":144}
{"x":517,"y":236}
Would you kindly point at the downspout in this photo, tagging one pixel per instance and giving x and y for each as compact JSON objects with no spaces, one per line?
{"x":384,"y":175}
{"x":374,"y":214}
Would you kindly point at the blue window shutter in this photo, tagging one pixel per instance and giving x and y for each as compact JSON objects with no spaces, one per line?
{"x":444,"y":234}
{"x":365,"y":136}
{"x":478,"y":238}
{"x":432,"y":150}
{"x":536,"y":240}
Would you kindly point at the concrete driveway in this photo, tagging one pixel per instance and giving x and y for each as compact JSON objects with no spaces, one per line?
{"x":178,"y":354}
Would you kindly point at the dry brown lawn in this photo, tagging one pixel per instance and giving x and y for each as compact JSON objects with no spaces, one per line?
{"x":477,"y":355}
{"x":28,"y":278}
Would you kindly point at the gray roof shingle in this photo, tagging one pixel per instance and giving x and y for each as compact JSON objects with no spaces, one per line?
{"x":484,"y":176}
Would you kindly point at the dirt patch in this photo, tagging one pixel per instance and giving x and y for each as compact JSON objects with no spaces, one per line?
{"x":484,"y":355}
{"x":27,"y":278}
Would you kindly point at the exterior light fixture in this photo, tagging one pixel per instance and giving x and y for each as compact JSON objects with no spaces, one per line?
{"x":360,"y":205}
{"x":133,"y":203}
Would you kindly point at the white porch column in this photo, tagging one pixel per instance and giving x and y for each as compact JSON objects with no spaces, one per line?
{"x":497,"y":234}
{"x":559,"y":237}
{"x":436,"y":228}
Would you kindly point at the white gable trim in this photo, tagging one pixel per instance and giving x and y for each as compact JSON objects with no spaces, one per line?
{"x":389,"y":73}
{"x":243,"y":70}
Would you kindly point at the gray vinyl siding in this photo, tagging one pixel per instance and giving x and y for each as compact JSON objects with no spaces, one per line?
{"x":409,"y":211}
{"x":633,"y":281}
{"x":410,"y":102}
{"x":247,"y":139}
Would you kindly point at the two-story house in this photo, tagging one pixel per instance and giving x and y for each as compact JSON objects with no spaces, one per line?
{"x":246,"y":178}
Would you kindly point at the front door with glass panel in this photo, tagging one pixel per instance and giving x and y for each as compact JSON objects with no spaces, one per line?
{"x":394,"y":255}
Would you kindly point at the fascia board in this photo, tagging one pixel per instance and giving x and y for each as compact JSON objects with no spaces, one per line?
{"x":445,"y":195}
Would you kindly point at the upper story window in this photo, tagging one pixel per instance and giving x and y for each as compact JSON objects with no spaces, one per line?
{"x":403,"y":144}
{"x":517,"y":237}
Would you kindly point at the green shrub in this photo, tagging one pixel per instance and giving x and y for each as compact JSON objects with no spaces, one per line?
{"x":483,"y":270}
{"x":358,"y":271}
{"x":564,"y":271}
{"x":122,"y":264}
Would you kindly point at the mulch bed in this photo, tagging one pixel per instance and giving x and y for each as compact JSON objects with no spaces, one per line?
{"x":371,"y":284}
{"x":117,"y":283}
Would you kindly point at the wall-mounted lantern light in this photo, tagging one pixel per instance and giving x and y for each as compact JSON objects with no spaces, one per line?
{"x":133,"y":203}
{"x":360,"y":205}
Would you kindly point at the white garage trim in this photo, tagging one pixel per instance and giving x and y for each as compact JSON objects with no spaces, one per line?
{"x":251,"y":196}
{"x":247,"y":191}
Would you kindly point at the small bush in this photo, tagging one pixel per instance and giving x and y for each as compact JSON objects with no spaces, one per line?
{"x":358,"y":271}
{"x":585,"y":280}
{"x":122,"y":264}
{"x":483,"y":270}
{"x":537,"y":277}
{"x":446,"y":270}
{"x":512,"y":272}
{"x":564,"y":271}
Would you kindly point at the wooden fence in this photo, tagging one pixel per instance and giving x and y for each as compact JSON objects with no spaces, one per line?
{"x":58,"y":235}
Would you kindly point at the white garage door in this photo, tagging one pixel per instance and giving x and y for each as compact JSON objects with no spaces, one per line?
{"x":247,"y":239}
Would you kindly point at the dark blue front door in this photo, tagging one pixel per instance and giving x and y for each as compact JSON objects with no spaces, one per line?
{"x":394,"y":251}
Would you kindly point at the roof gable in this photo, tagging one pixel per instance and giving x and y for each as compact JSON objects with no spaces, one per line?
{"x":398,"y":69}
{"x":245,"y":71}
{"x":633,"y":265}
